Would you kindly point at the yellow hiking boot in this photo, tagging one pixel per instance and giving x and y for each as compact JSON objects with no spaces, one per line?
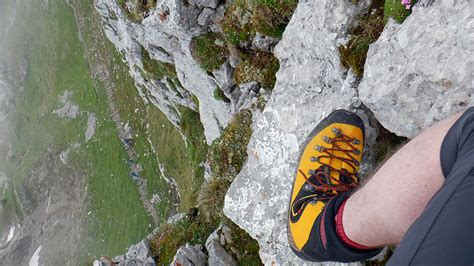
{"x":327,"y":172}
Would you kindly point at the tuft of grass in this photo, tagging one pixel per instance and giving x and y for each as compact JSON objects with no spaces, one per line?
{"x":209,"y":50}
{"x":228,"y":153}
{"x":386,"y":144}
{"x":270,"y":17}
{"x":237,"y":22}
{"x":394,"y":9}
{"x":220,"y":96}
{"x":366,"y":31}
{"x":136,"y":10}
{"x":257,"y":66}
{"x":157,"y":69}
{"x":211,"y":199}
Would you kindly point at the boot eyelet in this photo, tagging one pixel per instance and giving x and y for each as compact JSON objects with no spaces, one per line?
{"x":313,"y":159}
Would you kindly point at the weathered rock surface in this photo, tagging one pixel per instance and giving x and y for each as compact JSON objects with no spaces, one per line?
{"x":189,"y":255}
{"x":310,"y":84}
{"x":138,"y":254}
{"x":166,"y":34}
{"x":214,"y":245}
{"x":421,"y":71}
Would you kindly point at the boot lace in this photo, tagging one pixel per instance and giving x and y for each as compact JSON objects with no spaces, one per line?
{"x":326,"y":185}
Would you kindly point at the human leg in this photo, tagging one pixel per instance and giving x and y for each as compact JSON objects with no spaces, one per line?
{"x":324,"y":240}
{"x":443,"y":234}
{"x":383,"y":209}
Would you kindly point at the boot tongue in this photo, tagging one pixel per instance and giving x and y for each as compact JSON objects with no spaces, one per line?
{"x":344,"y":176}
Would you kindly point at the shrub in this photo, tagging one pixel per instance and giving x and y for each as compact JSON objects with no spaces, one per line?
{"x":237,"y":22}
{"x":258,"y":66}
{"x":270,"y":17}
{"x":157,"y":69}
{"x":367,"y":30}
{"x":209,"y":51}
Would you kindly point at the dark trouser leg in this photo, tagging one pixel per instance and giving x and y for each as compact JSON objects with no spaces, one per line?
{"x":444,"y":233}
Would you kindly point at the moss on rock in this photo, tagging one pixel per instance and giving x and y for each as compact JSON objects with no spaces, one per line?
{"x":136,"y":9}
{"x":258,"y":66}
{"x":270,"y":17}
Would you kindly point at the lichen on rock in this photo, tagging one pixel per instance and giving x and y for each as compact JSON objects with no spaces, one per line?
{"x":310,"y":84}
{"x":420,"y":72}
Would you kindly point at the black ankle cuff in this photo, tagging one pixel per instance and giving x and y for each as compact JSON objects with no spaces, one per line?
{"x":325,"y":245}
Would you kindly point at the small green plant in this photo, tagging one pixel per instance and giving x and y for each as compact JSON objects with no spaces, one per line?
{"x":395,"y":9}
{"x":270,"y":17}
{"x":367,"y":30}
{"x":220,"y":96}
{"x":237,"y":22}
{"x":226,"y":158}
{"x":136,"y":9}
{"x":209,"y":50}
{"x":157,"y":69}
{"x":258,"y":66}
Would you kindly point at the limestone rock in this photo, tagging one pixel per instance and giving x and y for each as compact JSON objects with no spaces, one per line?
{"x":217,"y":254}
{"x":310,"y":84}
{"x":176,"y":218}
{"x":138,"y":254}
{"x":166,"y":34}
{"x":189,"y":255}
{"x":205,"y":3}
{"x":421,"y":71}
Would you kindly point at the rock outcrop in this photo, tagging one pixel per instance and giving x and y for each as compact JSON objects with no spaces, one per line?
{"x":138,"y":254}
{"x":214,"y":245}
{"x":190,"y":255}
{"x":421,"y":71}
{"x":416,"y":74}
{"x":310,"y":84}
{"x":166,"y":33}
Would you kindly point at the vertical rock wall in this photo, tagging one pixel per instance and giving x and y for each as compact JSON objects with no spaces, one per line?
{"x":166,"y":33}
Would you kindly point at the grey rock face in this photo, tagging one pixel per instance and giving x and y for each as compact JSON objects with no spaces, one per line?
{"x":166,"y":34}
{"x":205,"y":3}
{"x":310,"y":84}
{"x":217,"y":254}
{"x":189,"y":255}
{"x":205,"y":17}
{"x":421,"y":71}
{"x":138,"y":254}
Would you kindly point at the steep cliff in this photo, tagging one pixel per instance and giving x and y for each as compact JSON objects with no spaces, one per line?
{"x":416,"y":74}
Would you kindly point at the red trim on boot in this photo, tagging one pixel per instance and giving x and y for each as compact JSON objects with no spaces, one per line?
{"x":342,"y":234}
